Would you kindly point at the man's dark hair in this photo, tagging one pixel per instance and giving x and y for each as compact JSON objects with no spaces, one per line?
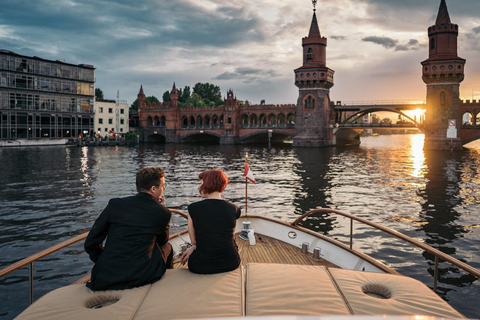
{"x":148,"y":177}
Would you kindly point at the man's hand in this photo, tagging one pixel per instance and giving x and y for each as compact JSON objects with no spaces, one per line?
{"x":161,"y":200}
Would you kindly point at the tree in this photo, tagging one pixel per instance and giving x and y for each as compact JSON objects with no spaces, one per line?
{"x":375,"y":118}
{"x":208,"y":92}
{"x":166,"y":96}
{"x":98,"y":94}
{"x":134,"y":105}
{"x":196,"y":100}
{"x":186,"y":93}
{"x":386,"y":121}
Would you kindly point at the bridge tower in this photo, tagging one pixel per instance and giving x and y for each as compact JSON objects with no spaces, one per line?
{"x":442,"y":72}
{"x":315,"y":116}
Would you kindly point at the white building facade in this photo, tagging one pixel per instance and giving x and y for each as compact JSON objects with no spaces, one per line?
{"x":111,"y":115}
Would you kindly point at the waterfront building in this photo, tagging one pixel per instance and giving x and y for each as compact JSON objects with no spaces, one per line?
{"x":44,"y":99}
{"x":111,"y":115}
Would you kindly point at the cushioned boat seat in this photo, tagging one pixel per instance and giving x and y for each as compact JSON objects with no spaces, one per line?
{"x":192,"y":295}
{"x":278,"y":289}
{"x":180,"y":294}
{"x":268,"y":289}
{"x":370,"y":293}
{"x":74,"y":302}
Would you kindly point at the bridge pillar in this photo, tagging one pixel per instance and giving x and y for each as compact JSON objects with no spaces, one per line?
{"x":315,"y":116}
{"x":442,"y":72}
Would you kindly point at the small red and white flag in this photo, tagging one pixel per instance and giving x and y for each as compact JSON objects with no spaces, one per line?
{"x":248,"y":173}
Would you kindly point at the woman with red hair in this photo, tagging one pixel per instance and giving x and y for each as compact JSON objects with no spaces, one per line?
{"x":211,"y":227}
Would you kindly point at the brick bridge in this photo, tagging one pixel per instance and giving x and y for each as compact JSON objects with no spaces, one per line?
{"x":230,"y":123}
{"x":234,"y":123}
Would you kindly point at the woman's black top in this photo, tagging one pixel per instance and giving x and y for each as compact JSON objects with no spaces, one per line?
{"x":214,"y":221}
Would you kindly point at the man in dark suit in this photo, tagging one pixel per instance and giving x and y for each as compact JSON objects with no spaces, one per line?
{"x":136,"y":251}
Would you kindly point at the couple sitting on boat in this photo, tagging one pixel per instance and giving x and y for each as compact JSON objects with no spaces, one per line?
{"x":137,"y":251}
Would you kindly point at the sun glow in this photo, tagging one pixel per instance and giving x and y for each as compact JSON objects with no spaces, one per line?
{"x":418,"y":156}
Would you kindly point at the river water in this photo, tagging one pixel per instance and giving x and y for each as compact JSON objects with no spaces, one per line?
{"x":49,"y":194}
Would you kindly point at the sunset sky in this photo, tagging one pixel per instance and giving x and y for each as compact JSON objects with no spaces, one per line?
{"x":250,"y":46}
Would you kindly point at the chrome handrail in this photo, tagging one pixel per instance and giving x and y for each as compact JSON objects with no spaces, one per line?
{"x":437,"y":253}
{"x":31,"y":259}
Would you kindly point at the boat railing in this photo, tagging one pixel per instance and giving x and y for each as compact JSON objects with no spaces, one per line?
{"x":436,"y":253}
{"x":28,"y":261}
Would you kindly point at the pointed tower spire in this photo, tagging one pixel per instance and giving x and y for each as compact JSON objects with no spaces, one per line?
{"x":174,"y":89}
{"x":443,"y":17}
{"x":314,"y":29}
{"x":141,"y":91}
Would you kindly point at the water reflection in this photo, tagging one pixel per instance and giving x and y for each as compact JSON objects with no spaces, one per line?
{"x":441,"y":226}
{"x":50,"y":194}
{"x":418,"y":157}
{"x":314,"y":187}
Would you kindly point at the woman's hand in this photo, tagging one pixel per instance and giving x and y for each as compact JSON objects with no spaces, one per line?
{"x":187,"y":254}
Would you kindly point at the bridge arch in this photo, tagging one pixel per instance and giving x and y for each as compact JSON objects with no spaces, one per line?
{"x":149,"y":121}
{"x":155,"y":138}
{"x":184,"y":122}
{"x":207,"y":121}
{"x":468,"y":119}
{"x":272,"y":120}
{"x":201,"y":137}
{"x":245,"y":122}
{"x":253,"y":120}
{"x":281,"y":120}
{"x":263,"y":120}
{"x":291,"y":119}
{"x":163,"y":120}
{"x":261,"y":136}
{"x":364,"y":112}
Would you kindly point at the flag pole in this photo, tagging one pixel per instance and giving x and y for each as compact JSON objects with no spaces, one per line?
{"x":246,"y":187}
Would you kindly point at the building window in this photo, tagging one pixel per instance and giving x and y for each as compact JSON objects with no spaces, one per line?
{"x":121,"y":129}
{"x":99,"y":130}
{"x":110,"y":121}
{"x":432,"y":44}
{"x":309,"y":53}
{"x":309,"y":103}
{"x":110,"y":110}
{"x":122,"y":111}
{"x":122,"y":121}
{"x":100,"y":120}
{"x":442,"y":98}
{"x":100,"y":110}
{"x":106,"y":129}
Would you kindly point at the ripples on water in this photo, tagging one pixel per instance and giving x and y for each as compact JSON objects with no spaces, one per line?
{"x":50,"y":194}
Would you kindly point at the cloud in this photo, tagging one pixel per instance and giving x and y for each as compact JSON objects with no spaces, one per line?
{"x":383,"y":41}
{"x":246,"y":73}
{"x":389,"y":43}
{"x":413,"y":42}
{"x":338,"y":37}
{"x":476,"y":30}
